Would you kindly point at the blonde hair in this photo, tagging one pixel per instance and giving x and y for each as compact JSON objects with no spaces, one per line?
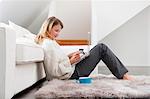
{"x":46,"y":26}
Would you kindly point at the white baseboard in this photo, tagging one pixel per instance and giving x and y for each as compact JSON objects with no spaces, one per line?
{"x":133,"y":70}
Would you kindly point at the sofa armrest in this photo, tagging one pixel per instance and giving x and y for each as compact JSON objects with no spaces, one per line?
{"x":7,"y":62}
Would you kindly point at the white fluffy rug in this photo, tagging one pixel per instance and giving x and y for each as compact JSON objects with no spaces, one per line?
{"x":102,"y":86}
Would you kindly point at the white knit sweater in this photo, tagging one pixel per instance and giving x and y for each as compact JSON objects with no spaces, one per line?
{"x":56,"y":62}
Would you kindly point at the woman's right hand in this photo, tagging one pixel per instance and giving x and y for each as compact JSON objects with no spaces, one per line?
{"x":73,"y":53}
{"x":75,"y":57}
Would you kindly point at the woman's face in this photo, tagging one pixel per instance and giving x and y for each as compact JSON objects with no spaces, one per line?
{"x":54,"y":32}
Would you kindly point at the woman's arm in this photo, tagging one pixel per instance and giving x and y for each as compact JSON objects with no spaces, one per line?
{"x":57,"y":65}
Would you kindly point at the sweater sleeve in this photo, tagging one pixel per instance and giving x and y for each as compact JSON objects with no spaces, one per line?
{"x":57,"y":66}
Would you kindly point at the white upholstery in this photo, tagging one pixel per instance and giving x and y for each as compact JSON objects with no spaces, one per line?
{"x":27,"y":54}
{"x":21,"y":32}
{"x":18,"y":48}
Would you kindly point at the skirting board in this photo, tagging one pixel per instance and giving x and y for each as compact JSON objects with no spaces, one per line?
{"x":133,"y":70}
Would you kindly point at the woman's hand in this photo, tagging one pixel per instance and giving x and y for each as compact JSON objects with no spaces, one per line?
{"x":71,"y":54}
{"x":75,"y":57}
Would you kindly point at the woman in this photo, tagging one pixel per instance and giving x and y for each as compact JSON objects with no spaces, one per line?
{"x":59,"y":65}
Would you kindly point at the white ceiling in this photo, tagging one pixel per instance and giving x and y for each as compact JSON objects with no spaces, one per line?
{"x":22,"y":12}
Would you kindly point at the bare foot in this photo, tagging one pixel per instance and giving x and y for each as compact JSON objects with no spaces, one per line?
{"x":127,"y":77}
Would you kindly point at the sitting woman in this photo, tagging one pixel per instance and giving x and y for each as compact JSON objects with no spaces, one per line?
{"x":59,"y":65}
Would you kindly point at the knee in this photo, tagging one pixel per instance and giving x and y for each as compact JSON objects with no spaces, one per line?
{"x":101,"y":45}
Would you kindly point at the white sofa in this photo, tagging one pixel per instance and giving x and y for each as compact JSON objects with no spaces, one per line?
{"x":21,"y":62}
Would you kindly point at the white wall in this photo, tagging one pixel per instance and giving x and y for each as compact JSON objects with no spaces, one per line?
{"x":130,"y":42}
{"x":35,"y":26}
{"x":27,"y":13}
{"x":109,"y":15}
{"x":76,"y":16}
{"x":52,"y":8}
{"x":149,"y":34}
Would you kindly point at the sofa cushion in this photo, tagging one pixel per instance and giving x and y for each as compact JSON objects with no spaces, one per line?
{"x":21,"y":31}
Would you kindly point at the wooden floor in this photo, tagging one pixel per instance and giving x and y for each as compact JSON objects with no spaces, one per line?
{"x":29,"y":93}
